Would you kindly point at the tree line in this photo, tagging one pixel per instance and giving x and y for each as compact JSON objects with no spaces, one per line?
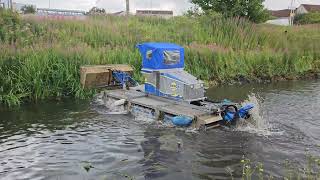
{"x":253,"y":10}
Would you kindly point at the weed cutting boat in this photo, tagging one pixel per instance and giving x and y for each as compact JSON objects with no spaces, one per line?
{"x":169,"y":93}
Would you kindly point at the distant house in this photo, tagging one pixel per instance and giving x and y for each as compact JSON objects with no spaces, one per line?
{"x":307,"y":8}
{"x":18,"y":6}
{"x":5,"y":4}
{"x":15,"y":6}
{"x":285,"y":17}
{"x":157,"y":13}
{"x":47,"y":11}
{"x":60,"y":14}
{"x":282,"y":17}
{"x":120,"y":13}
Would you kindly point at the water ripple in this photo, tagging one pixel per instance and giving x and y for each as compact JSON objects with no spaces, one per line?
{"x":57,"y":141}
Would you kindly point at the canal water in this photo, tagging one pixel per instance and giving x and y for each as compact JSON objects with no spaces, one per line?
{"x":72,"y":140}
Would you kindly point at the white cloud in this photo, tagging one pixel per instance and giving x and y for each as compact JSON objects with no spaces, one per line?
{"x":61,"y":4}
{"x":178,"y":6}
{"x":283,"y":4}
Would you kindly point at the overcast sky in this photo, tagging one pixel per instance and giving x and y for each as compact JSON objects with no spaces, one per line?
{"x":178,"y":6}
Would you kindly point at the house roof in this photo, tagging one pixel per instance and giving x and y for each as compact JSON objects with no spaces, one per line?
{"x":154,"y":12}
{"x":311,"y":7}
{"x":118,"y":13}
{"x":61,"y":10}
{"x":281,"y":13}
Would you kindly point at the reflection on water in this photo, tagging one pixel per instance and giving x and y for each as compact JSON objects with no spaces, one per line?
{"x":56,"y":140}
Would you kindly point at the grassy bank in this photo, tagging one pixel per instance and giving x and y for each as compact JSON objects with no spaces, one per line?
{"x":40,"y":59}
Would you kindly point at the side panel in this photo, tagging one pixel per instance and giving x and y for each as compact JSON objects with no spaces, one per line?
{"x":193,"y":93}
{"x":168,"y":85}
{"x":150,"y":83}
{"x":171,"y":87}
{"x":159,"y":85}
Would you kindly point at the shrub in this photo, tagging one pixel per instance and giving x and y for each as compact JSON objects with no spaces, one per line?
{"x":28,"y":9}
{"x":310,"y":18}
{"x":9,"y":25}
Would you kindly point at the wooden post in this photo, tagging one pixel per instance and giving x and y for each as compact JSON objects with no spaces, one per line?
{"x":127,"y":7}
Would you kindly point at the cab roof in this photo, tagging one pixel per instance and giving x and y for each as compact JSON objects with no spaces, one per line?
{"x":160,"y":45}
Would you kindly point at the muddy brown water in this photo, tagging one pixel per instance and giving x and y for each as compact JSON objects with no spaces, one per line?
{"x":61,"y":140}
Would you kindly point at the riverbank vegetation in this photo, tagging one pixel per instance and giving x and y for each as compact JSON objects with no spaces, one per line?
{"x":291,"y":171}
{"x":309,"y":18}
{"x":40,"y":59}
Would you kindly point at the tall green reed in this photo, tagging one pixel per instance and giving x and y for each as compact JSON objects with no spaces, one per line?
{"x":40,"y":59}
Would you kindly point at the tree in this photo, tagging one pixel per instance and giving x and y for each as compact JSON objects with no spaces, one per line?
{"x":96,"y":11}
{"x":28,"y":9}
{"x":252,"y":9}
{"x":193,"y":11}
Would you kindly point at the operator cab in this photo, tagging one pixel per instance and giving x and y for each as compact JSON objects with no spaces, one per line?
{"x":163,"y":68}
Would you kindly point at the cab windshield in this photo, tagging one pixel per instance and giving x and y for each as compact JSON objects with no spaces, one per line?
{"x":171,"y":57}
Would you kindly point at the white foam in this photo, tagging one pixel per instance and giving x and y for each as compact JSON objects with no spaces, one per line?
{"x":258,"y":123}
{"x":142,"y":114}
{"x":109,"y":106}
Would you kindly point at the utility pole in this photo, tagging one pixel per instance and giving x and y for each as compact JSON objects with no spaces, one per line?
{"x":127,"y":7}
{"x":151,"y":7}
{"x":292,"y":13}
{"x":10,"y":3}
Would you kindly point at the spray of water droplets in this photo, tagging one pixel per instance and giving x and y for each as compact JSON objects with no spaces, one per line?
{"x":258,"y":123}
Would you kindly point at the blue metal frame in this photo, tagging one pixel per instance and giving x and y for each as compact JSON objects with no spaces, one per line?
{"x":123,"y":78}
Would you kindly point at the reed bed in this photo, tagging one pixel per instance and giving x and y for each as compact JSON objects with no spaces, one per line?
{"x":40,"y":59}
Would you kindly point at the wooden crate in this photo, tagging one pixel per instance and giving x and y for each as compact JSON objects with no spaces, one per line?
{"x":101,"y":75}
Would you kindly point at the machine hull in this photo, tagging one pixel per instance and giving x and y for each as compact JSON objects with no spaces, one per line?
{"x":162,"y":108}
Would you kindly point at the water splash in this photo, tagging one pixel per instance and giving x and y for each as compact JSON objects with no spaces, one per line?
{"x":258,"y":123}
{"x":107,"y":106}
{"x":144,"y":115}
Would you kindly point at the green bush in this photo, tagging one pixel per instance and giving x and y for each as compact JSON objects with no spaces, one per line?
{"x":9,"y":25}
{"x":310,"y":18}
{"x":28,"y":9}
